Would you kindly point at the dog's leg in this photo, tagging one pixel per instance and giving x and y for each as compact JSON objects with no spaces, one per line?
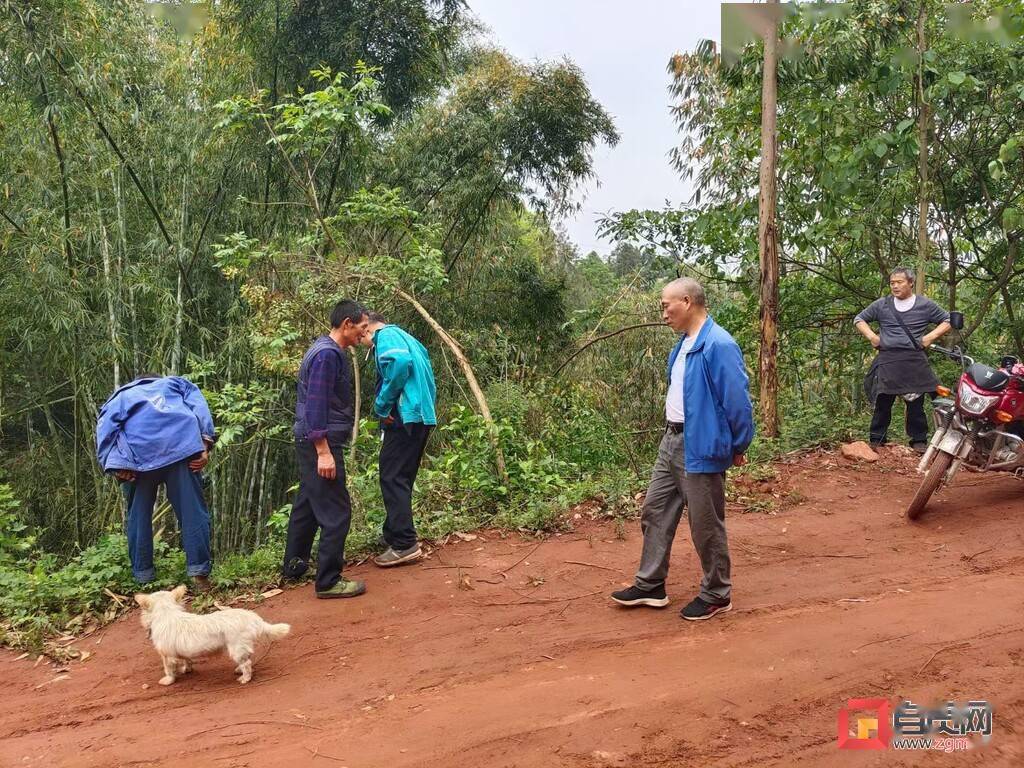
{"x":241,"y":654}
{"x":170,"y":667}
{"x":184,"y":666}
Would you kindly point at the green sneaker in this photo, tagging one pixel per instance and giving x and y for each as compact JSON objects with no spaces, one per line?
{"x":393,"y":557}
{"x":344,"y":588}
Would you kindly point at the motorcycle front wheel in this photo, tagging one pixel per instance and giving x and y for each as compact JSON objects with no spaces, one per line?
{"x":939,"y":467}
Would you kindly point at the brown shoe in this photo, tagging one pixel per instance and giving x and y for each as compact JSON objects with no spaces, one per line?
{"x":201,"y":584}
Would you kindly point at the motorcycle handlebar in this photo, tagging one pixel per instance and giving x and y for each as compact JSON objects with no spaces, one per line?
{"x":953,"y":354}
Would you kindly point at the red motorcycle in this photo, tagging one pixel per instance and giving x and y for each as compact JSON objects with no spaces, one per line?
{"x":982,"y":425}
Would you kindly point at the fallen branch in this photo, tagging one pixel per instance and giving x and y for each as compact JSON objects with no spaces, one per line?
{"x":443,"y":567}
{"x":876,"y":642}
{"x":571,"y":357}
{"x":544,"y":601}
{"x":946,"y":648}
{"x":968,"y":559}
{"x":517,"y":562}
{"x":317,"y":753}
{"x":254,"y":722}
{"x":592,"y":565}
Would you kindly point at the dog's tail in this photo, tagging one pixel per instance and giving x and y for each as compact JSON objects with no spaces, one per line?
{"x":277,"y":631}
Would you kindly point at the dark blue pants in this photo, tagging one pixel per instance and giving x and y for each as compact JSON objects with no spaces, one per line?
{"x":917,"y":421}
{"x":185,"y":492}
{"x":399,"y":462}
{"x":319,"y":504}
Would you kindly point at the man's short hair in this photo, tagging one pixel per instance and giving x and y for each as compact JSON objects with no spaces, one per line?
{"x":376,"y":317}
{"x":690,"y":287}
{"x":907,"y":272}
{"x":349,"y":310}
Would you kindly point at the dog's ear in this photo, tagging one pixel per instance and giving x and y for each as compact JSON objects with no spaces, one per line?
{"x":179,"y":592}
{"x":144,"y":600}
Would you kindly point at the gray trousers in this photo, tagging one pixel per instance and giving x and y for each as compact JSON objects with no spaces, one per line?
{"x":704,"y":497}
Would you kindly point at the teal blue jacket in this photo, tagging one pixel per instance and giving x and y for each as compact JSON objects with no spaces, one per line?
{"x":404,"y":377}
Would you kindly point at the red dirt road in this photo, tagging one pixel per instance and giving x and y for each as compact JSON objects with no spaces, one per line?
{"x":836,"y":597}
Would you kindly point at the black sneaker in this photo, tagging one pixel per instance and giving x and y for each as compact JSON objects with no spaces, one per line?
{"x":920,"y":446}
{"x":634,"y":596}
{"x":698,"y":610}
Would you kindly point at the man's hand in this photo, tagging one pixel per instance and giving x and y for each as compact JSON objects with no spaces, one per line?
{"x":387,"y":421}
{"x":325,"y":466}
{"x":124,"y":475}
{"x":200,"y":461}
{"x":927,"y":341}
{"x":867,"y":333}
{"x":739,"y":460}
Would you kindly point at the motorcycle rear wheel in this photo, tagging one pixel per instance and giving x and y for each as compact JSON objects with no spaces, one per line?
{"x":939,"y":467}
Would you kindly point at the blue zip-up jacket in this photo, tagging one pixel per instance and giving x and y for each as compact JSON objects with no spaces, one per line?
{"x":719,"y":417}
{"x":152,"y":423}
{"x":404,"y":377}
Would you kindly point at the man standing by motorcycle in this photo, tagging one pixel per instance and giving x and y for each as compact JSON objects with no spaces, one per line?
{"x":901,"y":368}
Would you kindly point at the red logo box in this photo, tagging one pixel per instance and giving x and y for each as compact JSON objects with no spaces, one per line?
{"x":879,"y":721}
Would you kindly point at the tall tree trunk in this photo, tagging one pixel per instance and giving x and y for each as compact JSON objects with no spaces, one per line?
{"x":124,"y":256}
{"x":923,"y":118}
{"x":179,"y":309}
{"x":767,"y":235}
{"x":952,"y":271}
{"x":1015,"y":328}
{"x":73,"y":285}
{"x":111,"y":293}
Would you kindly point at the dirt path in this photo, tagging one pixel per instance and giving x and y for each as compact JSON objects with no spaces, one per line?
{"x":836,"y":598}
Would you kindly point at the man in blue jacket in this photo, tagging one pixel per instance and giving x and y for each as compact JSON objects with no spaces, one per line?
{"x":157,"y":430}
{"x":405,"y":406}
{"x":324,"y":417}
{"x":709,"y":425}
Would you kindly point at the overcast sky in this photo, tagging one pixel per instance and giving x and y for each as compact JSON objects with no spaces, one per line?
{"x":623,"y":50}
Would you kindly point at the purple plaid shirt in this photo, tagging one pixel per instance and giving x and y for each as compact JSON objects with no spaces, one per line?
{"x":323,"y":378}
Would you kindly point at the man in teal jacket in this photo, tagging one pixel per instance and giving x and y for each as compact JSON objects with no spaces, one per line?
{"x":405,"y":406}
{"x":709,"y":425}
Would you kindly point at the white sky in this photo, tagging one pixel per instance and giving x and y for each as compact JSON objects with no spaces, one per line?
{"x":623,"y":50}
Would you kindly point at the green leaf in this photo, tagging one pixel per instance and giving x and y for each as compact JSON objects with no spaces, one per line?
{"x":904,"y":124}
{"x":956,"y":78}
{"x":995,"y":170}
{"x":880,"y":148}
{"x":1013,"y":219}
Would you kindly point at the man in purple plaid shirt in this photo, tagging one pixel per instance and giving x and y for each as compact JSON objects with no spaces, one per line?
{"x":324,"y":416}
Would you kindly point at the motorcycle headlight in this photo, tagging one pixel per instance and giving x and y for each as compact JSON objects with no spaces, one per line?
{"x":973,"y":403}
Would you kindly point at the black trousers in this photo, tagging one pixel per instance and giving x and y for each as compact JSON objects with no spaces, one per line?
{"x":917,"y":422}
{"x":323,"y":504}
{"x":399,"y":462}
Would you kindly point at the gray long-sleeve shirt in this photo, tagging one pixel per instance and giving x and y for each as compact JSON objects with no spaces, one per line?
{"x":918,"y":318}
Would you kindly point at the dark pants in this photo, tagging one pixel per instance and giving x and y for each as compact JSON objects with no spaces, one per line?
{"x":703,"y":495}
{"x":323,"y":504}
{"x":917,"y":422}
{"x":185,"y":492}
{"x":399,"y":462}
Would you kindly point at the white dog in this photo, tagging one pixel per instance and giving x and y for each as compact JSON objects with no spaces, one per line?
{"x":180,"y":636}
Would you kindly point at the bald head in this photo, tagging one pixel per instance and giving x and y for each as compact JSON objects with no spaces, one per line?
{"x":684,"y":287}
{"x":683,"y":305}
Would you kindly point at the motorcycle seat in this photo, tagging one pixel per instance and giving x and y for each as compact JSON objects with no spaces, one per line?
{"x":986,"y":377}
